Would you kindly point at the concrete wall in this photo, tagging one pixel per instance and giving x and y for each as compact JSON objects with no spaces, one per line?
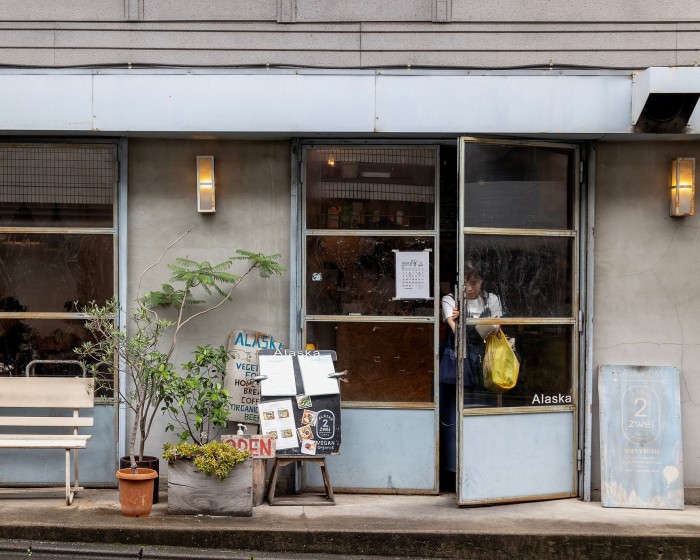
{"x":363,"y":34}
{"x":647,"y":278}
{"x":252,"y":213}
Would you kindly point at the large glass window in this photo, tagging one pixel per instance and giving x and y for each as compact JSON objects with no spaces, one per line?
{"x":364,"y":208}
{"x":57,"y":249}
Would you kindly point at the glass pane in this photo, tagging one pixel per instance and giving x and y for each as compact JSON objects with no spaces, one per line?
{"x":57,"y":185}
{"x":518,"y":187}
{"x":532,"y":276}
{"x":386,"y":362}
{"x":370,"y":188}
{"x":24,"y":340}
{"x":356,"y":276}
{"x":545,"y":376}
{"x":49,"y":272}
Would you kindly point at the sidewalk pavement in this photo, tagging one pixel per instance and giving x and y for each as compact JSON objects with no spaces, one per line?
{"x":367,"y":526}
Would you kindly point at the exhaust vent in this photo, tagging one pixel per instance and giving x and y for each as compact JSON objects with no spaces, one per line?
{"x":663,"y":99}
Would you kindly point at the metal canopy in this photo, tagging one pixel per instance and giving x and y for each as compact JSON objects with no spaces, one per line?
{"x":221,"y":102}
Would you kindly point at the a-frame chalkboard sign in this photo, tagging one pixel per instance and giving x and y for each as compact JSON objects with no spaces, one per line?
{"x":300,"y":402}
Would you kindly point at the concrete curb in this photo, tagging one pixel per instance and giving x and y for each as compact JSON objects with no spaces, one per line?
{"x":366,"y":526}
{"x":428,"y":544}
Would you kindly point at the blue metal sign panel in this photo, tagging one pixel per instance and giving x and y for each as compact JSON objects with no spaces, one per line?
{"x":640,"y":437}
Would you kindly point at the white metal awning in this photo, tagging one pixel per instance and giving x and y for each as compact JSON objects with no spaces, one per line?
{"x":295,"y":102}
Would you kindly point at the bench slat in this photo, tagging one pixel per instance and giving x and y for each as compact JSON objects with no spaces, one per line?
{"x":55,"y":421}
{"x":23,"y":441}
{"x":47,"y":392}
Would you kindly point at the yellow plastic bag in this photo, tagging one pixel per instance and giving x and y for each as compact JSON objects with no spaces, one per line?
{"x":501,"y":365}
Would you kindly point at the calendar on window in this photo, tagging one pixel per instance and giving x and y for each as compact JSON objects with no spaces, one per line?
{"x":412,"y":275}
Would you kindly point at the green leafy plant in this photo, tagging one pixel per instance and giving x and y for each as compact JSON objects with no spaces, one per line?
{"x":140,"y":356}
{"x":196,"y":400}
{"x":212,"y":459}
{"x":141,"y":347}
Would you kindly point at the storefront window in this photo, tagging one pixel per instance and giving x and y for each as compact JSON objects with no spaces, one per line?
{"x":519,"y":251}
{"x":544,"y":353}
{"x":54,"y":272}
{"x":56,"y":185}
{"x":57,"y":239}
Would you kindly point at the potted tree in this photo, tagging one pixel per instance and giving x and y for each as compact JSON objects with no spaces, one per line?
{"x":144,"y":363}
{"x":143,"y":350}
{"x":205,"y":476}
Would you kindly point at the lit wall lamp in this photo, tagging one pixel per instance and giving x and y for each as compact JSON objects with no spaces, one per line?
{"x":683,"y":187}
{"x":205,"y":184}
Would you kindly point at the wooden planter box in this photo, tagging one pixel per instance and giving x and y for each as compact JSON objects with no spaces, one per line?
{"x":190,"y":492}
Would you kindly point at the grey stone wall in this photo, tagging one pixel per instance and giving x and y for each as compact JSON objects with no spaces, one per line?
{"x":252,"y":212}
{"x":363,"y":34}
{"x":647,"y":274}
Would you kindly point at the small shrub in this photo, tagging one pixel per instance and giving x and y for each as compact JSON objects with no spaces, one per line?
{"x":212,"y":459}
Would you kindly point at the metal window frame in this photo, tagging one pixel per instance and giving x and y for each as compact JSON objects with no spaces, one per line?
{"x":118,"y":222}
{"x":300,"y":198}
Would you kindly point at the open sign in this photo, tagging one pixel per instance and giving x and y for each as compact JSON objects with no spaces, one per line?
{"x":261,"y":447}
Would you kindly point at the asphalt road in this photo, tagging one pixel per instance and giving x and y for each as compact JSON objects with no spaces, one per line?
{"x":22,"y":550}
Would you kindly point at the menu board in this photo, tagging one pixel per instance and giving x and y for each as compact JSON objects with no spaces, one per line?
{"x":306,"y":423}
{"x":243,"y":392}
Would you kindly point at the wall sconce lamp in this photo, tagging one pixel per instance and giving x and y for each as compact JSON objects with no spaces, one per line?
{"x":683,"y":187}
{"x":205,"y":184}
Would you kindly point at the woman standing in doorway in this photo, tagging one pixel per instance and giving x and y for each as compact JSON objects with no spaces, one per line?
{"x":480,"y":304}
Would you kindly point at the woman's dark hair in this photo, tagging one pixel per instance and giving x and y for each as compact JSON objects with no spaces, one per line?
{"x":471,"y":271}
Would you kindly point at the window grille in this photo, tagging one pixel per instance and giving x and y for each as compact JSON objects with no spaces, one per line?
{"x":57,"y":175}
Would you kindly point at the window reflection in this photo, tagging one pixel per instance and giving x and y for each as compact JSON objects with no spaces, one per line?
{"x":530,"y":275}
{"x":518,"y":187}
{"x":356,"y":275}
{"x":387,"y":362}
{"x":370,"y":188}
{"x":49,"y":272}
{"x":24,"y":340}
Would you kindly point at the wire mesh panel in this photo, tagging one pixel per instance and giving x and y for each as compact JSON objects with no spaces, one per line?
{"x":57,"y":185}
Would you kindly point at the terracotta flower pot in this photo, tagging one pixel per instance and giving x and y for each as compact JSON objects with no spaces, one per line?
{"x":136,"y":491}
{"x":148,"y":462}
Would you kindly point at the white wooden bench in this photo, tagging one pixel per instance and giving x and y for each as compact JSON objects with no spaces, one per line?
{"x":57,"y":395}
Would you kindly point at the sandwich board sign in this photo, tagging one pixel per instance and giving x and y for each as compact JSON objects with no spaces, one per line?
{"x":244,"y":392}
{"x":640,"y":437}
{"x":300,"y":402}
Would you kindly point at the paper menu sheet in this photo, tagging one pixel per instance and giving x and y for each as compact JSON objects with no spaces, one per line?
{"x":280,"y":375}
{"x":277,"y":421}
{"x":314,"y":374}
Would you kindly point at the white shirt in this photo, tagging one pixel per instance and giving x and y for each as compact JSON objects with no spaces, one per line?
{"x":475,"y":307}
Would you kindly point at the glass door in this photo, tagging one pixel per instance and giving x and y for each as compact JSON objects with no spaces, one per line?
{"x":517,"y":275}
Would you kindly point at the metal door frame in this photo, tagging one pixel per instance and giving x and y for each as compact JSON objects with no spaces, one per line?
{"x":298,"y":287}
